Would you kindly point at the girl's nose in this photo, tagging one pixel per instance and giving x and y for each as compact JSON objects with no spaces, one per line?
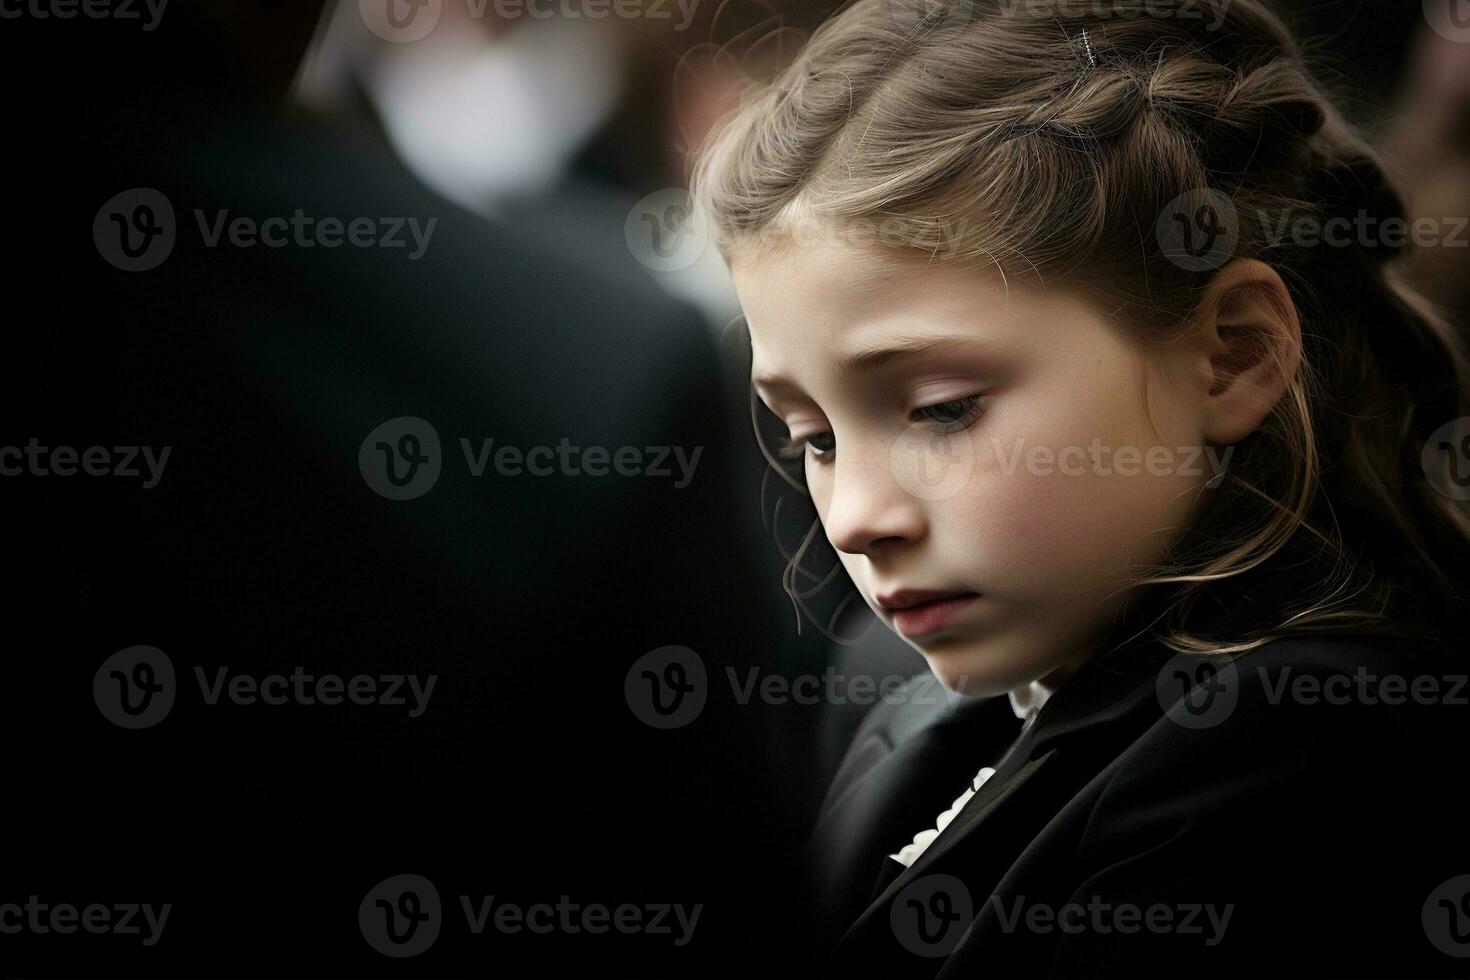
{"x":868,"y":507}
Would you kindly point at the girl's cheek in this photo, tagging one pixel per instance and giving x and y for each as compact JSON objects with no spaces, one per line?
{"x":1065,"y":511}
{"x":1024,"y":526}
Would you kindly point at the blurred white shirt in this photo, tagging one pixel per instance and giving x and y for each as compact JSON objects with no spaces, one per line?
{"x":474,"y":117}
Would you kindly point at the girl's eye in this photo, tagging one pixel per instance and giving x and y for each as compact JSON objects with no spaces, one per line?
{"x":820,"y":443}
{"x":951,"y":416}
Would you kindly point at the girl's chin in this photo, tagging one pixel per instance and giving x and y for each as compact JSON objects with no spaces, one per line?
{"x":959,"y":674}
{"x":972,"y":673}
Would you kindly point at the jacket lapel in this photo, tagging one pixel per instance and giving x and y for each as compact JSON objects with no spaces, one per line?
{"x":898,"y":781}
{"x":1074,"y":732}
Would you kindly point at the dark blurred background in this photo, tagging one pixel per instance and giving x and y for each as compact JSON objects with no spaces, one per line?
{"x":562,"y":295}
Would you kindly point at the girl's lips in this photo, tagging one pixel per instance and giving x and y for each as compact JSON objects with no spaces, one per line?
{"x":933,"y":616}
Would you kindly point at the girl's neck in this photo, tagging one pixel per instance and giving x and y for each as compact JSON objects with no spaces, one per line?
{"x":1028,"y":699}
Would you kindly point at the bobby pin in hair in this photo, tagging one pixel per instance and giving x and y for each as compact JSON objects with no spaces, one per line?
{"x":1087,"y":43}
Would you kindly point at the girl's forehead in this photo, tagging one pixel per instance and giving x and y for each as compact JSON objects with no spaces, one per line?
{"x":848,"y":280}
{"x":820,"y":295}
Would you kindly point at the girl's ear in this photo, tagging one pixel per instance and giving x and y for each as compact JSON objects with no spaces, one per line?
{"x":1252,"y":341}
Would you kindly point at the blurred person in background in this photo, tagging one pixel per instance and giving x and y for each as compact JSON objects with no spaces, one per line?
{"x":194,"y":304}
{"x":580,"y":125}
{"x":1430,"y":143}
{"x":563,"y":114}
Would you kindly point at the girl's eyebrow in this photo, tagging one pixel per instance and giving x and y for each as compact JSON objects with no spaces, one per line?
{"x":871,"y":358}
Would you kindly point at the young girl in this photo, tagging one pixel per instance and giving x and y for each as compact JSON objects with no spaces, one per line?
{"x":1083,"y":323}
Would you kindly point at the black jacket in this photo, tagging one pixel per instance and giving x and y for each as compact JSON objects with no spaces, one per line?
{"x":1150,"y":789}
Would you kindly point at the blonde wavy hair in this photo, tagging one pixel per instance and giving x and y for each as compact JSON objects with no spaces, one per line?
{"x":1044,"y":139}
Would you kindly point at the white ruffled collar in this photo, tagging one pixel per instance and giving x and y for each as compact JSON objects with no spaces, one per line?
{"x":1026,"y":701}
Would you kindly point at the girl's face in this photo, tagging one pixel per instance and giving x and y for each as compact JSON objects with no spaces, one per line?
{"x":963,"y":436}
